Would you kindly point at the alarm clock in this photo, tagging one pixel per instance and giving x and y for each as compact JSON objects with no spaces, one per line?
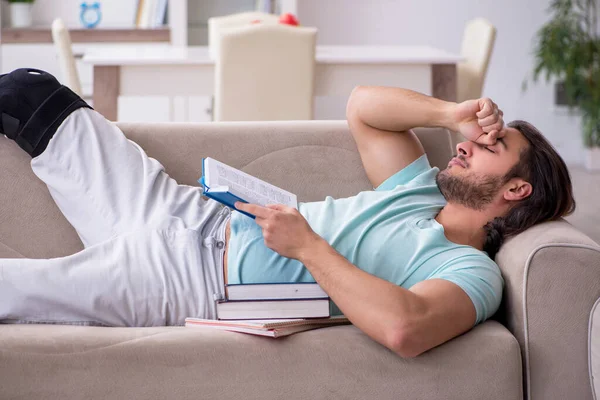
{"x":90,"y":15}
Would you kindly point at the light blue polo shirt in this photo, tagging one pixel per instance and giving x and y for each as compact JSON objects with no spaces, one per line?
{"x":389,"y":232}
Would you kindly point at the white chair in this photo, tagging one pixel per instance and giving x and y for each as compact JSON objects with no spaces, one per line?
{"x":265,"y":72}
{"x":63,"y":46}
{"x":217,"y":24}
{"x":477,"y":45}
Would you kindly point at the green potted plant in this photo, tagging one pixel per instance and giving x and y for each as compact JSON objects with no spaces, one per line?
{"x":20,"y":13}
{"x":567,"y":48}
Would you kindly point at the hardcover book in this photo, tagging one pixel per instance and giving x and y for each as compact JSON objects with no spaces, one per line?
{"x":273,"y":309}
{"x":227,"y":185}
{"x":274,"y":291}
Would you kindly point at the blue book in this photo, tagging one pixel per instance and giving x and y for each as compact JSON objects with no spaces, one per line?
{"x":227,"y":185}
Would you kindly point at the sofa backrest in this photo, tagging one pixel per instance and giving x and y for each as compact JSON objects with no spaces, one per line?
{"x":313,"y":159}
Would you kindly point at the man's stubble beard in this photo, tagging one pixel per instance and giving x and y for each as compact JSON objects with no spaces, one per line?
{"x":473,"y":191}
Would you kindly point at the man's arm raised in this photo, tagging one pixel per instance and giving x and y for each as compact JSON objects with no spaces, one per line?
{"x":381,"y":119}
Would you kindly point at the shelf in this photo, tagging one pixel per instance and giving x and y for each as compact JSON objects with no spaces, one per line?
{"x":44,"y":35}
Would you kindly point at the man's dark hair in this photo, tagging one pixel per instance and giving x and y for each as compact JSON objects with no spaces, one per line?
{"x":551,"y":196}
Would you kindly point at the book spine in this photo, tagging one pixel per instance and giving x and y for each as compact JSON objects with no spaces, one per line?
{"x":273,"y":300}
{"x":267,"y":298}
{"x":138,"y":14}
{"x":162,"y":20}
{"x":228,"y":201}
{"x":260,"y":291}
{"x":225,"y":313}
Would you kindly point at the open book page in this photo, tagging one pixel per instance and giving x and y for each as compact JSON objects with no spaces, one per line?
{"x":220,"y":176}
{"x":272,"y":328}
{"x":268,"y":323}
{"x":275,"y":332}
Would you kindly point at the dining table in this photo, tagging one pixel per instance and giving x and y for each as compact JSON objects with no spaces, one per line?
{"x":150,"y":70}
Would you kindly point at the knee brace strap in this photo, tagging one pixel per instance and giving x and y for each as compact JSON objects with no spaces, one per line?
{"x":44,"y":122}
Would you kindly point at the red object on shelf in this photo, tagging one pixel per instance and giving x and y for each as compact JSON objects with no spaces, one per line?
{"x":289,"y":19}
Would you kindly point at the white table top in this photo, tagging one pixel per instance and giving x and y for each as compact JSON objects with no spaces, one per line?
{"x":198,"y":55}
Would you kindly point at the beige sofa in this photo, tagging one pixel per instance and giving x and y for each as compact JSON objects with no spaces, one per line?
{"x":537,"y":347}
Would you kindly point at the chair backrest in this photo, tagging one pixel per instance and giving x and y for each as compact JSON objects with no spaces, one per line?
{"x":63,"y":46}
{"x":265,"y":72}
{"x":477,"y":45}
{"x":217,"y":24}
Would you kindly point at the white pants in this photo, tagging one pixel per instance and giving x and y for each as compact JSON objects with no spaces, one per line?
{"x":153,"y":249}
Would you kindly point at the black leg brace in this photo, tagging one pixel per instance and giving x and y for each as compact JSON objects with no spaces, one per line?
{"x":33,"y":104}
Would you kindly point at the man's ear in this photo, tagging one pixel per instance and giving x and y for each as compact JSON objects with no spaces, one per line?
{"x":518,"y":189}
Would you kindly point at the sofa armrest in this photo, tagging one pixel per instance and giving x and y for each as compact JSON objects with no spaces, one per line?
{"x":552,"y":280}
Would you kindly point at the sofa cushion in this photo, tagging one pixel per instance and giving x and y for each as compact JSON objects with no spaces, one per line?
{"x":7,"y":252}
{"x":30,"y":222}
{"x":66,"y":362}
{"x":313,"y":159}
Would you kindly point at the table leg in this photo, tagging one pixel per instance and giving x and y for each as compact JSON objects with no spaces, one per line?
{"x":443,"y":86}
{"x":443,"y":81}
{"x":106,"y":90}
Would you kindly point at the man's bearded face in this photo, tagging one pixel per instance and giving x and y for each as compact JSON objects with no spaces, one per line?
{"x":471,"y":190}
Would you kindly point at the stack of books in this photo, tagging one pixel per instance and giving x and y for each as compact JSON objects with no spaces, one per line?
{"x":273,"y":301}
{"x":151,"y":13}
{"x":271,"y":309}
{"x":267,"y":309}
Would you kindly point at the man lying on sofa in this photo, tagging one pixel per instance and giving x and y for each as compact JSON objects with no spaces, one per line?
{"x":410,"y":263}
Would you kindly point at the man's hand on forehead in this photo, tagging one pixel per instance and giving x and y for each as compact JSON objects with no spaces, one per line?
{"x":490,"y":119}
{"x":480,"y":121}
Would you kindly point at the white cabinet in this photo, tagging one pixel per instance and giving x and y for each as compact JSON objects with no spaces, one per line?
{"x":188,"y":24}
{"x":43,"y":56}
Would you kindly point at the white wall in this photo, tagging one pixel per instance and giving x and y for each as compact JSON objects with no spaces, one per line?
{"x":200,"y":11}
{"x":410,"y":22}
{"x":115,"y":13}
